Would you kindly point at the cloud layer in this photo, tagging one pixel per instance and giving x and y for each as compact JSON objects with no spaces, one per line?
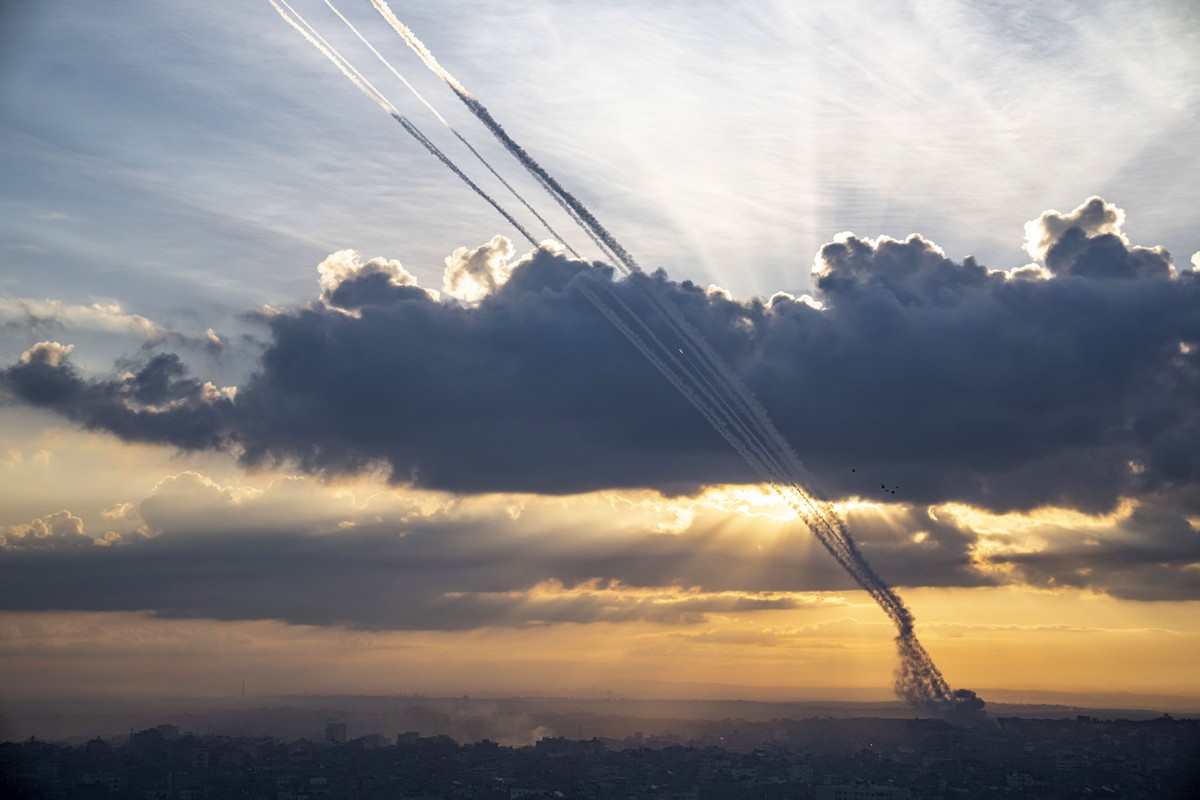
{"x":1072,"y":383}
{"x":1069,"y":385}
{"x":408,"y":560}
{"x":198,"y":549}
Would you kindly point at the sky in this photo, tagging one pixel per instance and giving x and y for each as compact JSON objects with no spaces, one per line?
{"x":283,"y":401}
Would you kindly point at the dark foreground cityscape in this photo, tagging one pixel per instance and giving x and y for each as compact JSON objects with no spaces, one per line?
{"x":817,"y":758}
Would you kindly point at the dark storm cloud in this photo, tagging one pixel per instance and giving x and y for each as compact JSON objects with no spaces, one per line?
{"x":157,"y":403}
{"x":1007,"y":392}
{"x":1073,"y":384}
{"x":531,"y":390}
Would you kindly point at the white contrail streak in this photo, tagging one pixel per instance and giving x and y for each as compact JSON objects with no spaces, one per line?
{"x":599,"y":234}
{"x":718,"y":393}
{"x":705,"y":380}
{"x":450,"y":127}
{"x":561,"y":195}
{"x":293,"y":18}
{"x":418,"y":46}
{"x":366,"y":87}
{"x":831,"y":535}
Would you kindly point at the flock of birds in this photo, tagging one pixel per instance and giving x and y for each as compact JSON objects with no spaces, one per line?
{"x":882,"y":486}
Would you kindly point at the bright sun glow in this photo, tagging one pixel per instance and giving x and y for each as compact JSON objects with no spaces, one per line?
{"x":749,"y":501}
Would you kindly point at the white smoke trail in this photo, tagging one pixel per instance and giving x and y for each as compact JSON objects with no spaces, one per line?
{"x":388,"y":64}
{"x":606,"y":241}
{"x":589,"y":222}
{"x":707,"y":382}
{"x":714,"y":363}
{"x":756,"y":454}
{"x":293,"y":18}
{"x":736,"y":415}
{"x":417,"y":45}
{"x":450,"y":128}
{"x":599,"y":234}
{"x":366,"y":87}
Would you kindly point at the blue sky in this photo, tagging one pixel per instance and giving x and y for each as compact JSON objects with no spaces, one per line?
{"x":209,"y":152}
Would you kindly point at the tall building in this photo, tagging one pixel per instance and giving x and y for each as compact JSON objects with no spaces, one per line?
{"x":335,"y":732}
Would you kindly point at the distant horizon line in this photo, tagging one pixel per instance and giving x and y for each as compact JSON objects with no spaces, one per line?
{"x":1081,"y":699}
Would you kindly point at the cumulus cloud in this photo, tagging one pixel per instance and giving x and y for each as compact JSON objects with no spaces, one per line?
{"x":57,"y":530}
{"x":1089,"y":242}
{"x":347,"y":282}
{"x":1005,"y":389}
{"x":1094,"y":217}
{"x":49,"y":354}
{"x":473,"y":274}
{"x":159,"y":402}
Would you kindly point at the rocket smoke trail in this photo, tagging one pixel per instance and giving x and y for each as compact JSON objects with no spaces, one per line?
{"x":450,"y":128}
{"x":699,"y":374}
{"x":319,"y":42}
{"x":710,"y":360}
{"x":607,"y":243}
{"x":713,"y":388}
{"x":580,"y":212}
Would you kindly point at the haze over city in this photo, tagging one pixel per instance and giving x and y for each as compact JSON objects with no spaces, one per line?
{"x":288,"y":406}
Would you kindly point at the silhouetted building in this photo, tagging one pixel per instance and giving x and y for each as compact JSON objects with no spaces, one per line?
{"x":861,"y":791}
{"x":335,"y":733}
{"x":824,"y":759}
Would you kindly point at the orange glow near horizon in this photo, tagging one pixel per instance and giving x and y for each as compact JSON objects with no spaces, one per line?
{"x":667,"y":636}
{"x":981,"y":638}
